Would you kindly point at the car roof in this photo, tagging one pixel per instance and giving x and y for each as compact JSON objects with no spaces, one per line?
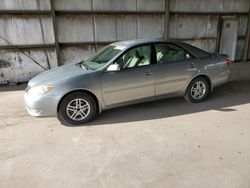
{"x":131,"y":43}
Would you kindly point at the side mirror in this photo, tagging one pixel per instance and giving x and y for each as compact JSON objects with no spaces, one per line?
{"x":113,"y":68}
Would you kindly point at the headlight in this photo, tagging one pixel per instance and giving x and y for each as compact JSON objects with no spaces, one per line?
{"x":39,"y":90}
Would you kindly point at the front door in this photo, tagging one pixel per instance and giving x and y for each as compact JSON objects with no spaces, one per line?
{"x":134,"y":81}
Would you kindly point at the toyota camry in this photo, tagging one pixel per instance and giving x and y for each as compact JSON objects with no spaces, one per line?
{"x":125,"y":73}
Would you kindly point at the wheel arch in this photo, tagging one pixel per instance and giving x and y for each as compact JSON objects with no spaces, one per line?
{"x":83,"y":91}
{"x":207,"y":79}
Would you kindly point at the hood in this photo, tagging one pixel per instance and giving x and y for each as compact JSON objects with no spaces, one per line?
{"x":63,"y":72}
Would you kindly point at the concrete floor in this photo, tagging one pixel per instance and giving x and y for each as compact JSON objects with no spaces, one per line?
{"x":169,"y":143}
{"x":240,"y":71}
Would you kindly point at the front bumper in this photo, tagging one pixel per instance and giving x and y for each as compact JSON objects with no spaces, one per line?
{"x":42,"y":105}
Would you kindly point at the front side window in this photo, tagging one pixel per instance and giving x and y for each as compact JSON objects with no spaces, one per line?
{"x":170,"y":53}
{"x":136,"y":57}
{"x":101,"y":58}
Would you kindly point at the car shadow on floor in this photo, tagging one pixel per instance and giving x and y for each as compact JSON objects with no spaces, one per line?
{"x":222,"y":99}
{"x":14,"y":87}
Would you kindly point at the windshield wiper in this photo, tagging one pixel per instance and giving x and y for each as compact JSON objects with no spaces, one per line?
{"x":84,"y":66}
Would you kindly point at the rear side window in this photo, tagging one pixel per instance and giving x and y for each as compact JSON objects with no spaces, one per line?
{"x":170,"y":53}
{"x":196,"y":51}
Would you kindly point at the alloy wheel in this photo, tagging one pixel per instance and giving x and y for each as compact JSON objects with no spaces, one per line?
{"x":198,"y":90}
{"x":78,"y":109}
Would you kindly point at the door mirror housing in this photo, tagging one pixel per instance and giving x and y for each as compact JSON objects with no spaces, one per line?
{"x":113,"y":68}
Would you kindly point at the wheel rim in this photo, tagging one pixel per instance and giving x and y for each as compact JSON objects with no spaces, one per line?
{"x":198,"y":90}
{"x":78,"y":109}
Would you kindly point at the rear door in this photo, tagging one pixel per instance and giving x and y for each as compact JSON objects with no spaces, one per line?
{"x":134,"y":81}
{"x":175,"y":67}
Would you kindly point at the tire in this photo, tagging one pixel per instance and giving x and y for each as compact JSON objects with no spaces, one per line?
{"x":197,"y":90}
{"x":77,"y":108}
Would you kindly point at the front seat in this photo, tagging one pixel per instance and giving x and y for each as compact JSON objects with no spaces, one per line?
{"x":133,"y":61}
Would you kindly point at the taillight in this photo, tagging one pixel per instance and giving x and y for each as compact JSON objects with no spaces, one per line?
{"x":228,"y":61}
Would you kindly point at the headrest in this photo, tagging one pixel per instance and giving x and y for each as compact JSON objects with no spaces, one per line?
{"x":137,"y":54}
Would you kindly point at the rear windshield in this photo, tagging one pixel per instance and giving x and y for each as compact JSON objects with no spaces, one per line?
{"x":197,"y":52}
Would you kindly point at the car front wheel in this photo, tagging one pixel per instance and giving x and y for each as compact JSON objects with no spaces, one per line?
{"x":197,"y":90}
{"x":76,"y":109}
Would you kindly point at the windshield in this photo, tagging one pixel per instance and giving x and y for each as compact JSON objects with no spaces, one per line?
{"x":102,"y":57}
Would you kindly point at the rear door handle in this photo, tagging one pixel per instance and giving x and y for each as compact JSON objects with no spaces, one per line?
{"x":192,"y":65}
{"x":148,"y":72}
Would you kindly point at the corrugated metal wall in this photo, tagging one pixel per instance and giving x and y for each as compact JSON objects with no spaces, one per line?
{"x":83,"y":26}
{"x":32,"y":30}
{"x":199,"y":22}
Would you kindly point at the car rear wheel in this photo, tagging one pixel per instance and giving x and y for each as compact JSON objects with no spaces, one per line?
{"x":76,"y":109}
{"x":197,"y":90}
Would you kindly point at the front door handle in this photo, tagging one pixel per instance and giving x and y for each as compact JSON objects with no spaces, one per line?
{"x":148,"y":72}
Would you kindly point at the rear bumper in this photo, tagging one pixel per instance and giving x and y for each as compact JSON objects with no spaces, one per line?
{"x":222,"y":78}
{"x":226,"y":75}
{"x":42,"y":105}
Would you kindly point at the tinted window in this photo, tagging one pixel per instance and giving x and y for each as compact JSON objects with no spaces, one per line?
{"x":139,"y":56}
{"x":196,"y":51}
{"x":170,"y":53}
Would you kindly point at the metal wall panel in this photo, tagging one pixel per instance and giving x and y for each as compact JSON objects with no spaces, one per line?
{"x":192,"y":26}
{"x":26,"y":29}
{"x":111,"y":5}
{"x":126,"y":27}
{"x":105,"y":28}
{"x":108,"y":28}
{"x":75,"y":28}
{"x":240,"y":49}
{"x":207,"y":45}
{"x":248,"y":54}
{"x":79,"y":53}
{"x":150,"y":26}
{"x":76,"y":54}
{"x":25,"y":5}
{"x":15,"y":67}
{"x":209,"y":5}
{"x":151,"y":5}
{"x":73,"y":5}
{"x":114,"y":5}
{"x":242,"y":25}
